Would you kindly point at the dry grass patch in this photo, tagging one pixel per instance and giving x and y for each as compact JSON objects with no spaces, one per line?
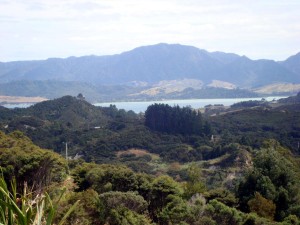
{"x":137,"y":152}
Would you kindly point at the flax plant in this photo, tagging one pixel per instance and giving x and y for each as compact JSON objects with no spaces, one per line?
{"x":27,"y":209}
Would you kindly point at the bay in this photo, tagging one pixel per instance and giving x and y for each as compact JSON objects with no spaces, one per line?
{"x":138,"y":107}
{"x":17,"y":105}
{"x":141,"y":106}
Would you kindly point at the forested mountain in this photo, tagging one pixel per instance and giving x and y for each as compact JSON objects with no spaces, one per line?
{"x":154,"y":63}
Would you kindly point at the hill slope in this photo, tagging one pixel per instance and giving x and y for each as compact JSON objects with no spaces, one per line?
{"x":293,"y":63}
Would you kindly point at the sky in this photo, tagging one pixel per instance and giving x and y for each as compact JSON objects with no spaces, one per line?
{"x":41,"y":29}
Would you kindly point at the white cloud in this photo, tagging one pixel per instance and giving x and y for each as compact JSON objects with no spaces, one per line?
{"x":33,"y":29}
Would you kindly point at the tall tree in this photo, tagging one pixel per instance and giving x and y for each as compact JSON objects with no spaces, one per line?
{"x":176,"y":120}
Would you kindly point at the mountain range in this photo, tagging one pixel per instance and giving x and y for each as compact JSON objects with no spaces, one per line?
{"x":156,"y":66}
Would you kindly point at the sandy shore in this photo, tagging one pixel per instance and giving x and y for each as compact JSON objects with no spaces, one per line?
{"x":20,"y":99}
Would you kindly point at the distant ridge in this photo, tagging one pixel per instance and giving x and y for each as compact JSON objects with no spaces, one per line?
{"x":293,"y":63}
{"x":156,"y":63}
{"x":142,"y":71}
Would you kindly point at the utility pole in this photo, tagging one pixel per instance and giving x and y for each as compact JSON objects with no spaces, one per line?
{"x":67,"y":157}
{"x":67,"y":151}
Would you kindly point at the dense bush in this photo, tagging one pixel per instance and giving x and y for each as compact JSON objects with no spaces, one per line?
{"x":273,"y":179}
{"x":21,"y":159}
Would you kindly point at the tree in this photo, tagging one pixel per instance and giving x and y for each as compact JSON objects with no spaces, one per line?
{"x":176,"y":211}
{"x":123,"y":208}
{"x":87,"y":211}
{"x":80,"y":96}
{"x":124,"y":216}
{"x":176,"y":120}
{"x":262,"y":206}
{"x":194,"y":182}
{"x":162,"y":187}
{"x":21,"y":159}
{"x":273,"y":177}
{"x":112,"y":178}
{"x":223,"y":214}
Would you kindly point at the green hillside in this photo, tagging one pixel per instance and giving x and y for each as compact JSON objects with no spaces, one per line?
{"x":240,"y":167}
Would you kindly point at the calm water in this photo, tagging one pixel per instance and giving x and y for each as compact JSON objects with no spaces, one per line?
{"x":194,"y":103}
{"x":19,"y":105}
{"x":142,"y":106}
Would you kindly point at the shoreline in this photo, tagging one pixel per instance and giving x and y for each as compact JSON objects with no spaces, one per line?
{"x":20,"y":100}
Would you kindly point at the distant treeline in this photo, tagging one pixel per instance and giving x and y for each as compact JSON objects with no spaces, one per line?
{"x":186,"y":121}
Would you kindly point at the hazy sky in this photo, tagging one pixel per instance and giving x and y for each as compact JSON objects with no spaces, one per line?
{"x":39,"y":29}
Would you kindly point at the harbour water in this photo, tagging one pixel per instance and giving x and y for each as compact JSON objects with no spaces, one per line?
{"x":142,"y":106}
{"x":194,"y":103}
{"x":16,"y":105}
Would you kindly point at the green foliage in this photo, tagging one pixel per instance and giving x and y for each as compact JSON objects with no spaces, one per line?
{"x":262,"y":206}
{"x":112,"y":178}
{"x":116,"y":207}
{"x":222,"y":195}
{"x":114,"y":194}
{"x":253,"y":126}
{"x":105,"y":178}
{"x":164,"y":118}
{"x":68,"y":110}
{"x":274,"y":178}
{"x":87,"y":211}
{"x":124,"y":216}
{"x":205,"y":220}
{"x":130,"y":200}
{"x":27,"y":208}
{"x":180,"y":211}
{"x":223,"y":214}
{"x":97,"y":133}
{"x":21,"y":159}
{"x":291,"y":220}
{"x":162,"y":187}
{"x":79,"y":175}
{"x":177,"y":210}
{"x":249,"y":104}
{"x":195,"y":183}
